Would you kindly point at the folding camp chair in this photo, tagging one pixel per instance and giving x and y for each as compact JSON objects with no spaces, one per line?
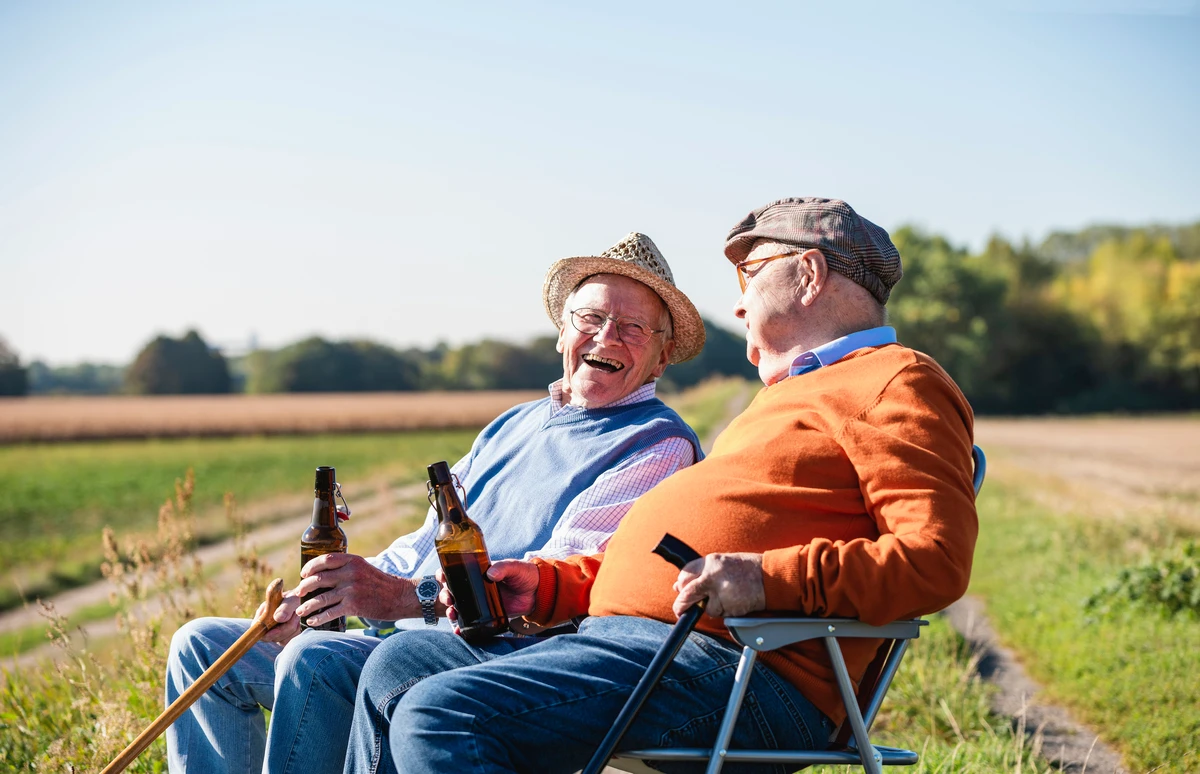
{"x":849,"y":745}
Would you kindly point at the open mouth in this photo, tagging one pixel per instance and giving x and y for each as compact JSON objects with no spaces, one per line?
{"x":603,"y":363}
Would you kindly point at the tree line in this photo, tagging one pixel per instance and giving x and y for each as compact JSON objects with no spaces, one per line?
{"x":1103,"y":319}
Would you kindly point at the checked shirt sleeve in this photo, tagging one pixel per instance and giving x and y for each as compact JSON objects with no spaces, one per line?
{"x":589,"y":521}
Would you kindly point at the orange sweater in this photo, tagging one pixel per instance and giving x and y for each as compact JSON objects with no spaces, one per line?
{"x":853,"y":480}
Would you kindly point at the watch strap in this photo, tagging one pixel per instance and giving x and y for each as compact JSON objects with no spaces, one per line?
{"x":428,"y":609}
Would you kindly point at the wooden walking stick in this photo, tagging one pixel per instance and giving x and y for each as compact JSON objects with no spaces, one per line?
{"x":257,"y":629}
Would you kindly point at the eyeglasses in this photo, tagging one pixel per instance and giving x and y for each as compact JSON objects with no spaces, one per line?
{"x":630,"y":330}
{"x":744,"y":276}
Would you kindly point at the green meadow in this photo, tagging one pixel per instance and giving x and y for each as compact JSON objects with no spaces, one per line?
{"x":1128,"y":670}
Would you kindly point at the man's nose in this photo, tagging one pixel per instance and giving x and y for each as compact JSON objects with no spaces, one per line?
{"x":739,"y":309}
{"x":608,"y":331}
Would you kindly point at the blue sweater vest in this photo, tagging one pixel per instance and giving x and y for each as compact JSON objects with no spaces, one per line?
{"x":527,"y":467}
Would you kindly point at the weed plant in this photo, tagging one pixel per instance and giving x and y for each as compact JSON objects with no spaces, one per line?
{"x":1169,"y":585}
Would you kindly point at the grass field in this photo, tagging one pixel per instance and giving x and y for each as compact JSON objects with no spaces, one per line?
{"x":1058,"y":523}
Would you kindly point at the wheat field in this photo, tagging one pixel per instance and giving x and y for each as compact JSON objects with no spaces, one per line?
{"x":127,"y":417}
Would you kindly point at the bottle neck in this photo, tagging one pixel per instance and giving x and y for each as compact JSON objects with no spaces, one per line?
{"x":449,"y":507}
{"x":324,"y":509}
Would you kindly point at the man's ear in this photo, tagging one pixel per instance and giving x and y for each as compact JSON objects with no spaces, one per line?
{"x":814,"y":272}
{"x":559,"y":346}
{"x":664,"y":359}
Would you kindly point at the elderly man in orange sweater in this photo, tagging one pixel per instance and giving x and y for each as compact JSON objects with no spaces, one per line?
{"x":843,"y":490}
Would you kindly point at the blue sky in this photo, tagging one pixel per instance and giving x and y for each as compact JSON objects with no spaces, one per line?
{"x":406,"y":173}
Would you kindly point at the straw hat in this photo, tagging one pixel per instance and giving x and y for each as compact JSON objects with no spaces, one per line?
{"x":638,"y":258}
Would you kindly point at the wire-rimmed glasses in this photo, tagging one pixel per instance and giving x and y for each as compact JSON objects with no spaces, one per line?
{"x":630,"y":330}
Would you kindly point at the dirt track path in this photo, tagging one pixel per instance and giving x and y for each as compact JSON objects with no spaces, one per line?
{"x":276,"y":544}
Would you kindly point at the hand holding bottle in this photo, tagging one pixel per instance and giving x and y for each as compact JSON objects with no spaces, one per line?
{"x":347,"y":584}
{"x":516,"y":579}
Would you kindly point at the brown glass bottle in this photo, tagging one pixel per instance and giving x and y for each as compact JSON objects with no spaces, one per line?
{"x":464,"y":558}
{"x":323,"y":536}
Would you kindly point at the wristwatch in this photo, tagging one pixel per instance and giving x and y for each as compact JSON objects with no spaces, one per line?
{"x":427,"y":592}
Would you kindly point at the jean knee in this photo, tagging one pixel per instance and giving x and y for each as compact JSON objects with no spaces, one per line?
{"x":400,"y":662}
{"x":434,"y":704}
{"x":190,"y":643}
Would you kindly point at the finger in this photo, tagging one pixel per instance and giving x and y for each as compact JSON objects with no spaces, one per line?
{"x":286,"y":609}
{"x":440,"y":575}
{"x":327,"y":615}
{"x":282,"y":634}
{"x":319,"y":602}
{"x":690,"y":595}
{"x":445,"y":597}
{"x":310,"y":584}
{"x":452,"y":614}
{"x":507,"y":570}
{"x":326,"y":562}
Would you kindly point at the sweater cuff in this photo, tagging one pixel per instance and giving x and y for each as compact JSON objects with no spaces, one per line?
{"x":547,"y":592}
{"x":782,"y":583}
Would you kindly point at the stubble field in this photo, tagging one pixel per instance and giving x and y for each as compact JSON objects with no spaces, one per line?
{"x":175,"y":416}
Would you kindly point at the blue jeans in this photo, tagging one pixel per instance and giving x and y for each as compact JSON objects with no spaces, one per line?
{"x":309,"y":687}
{"x":430,"y":702}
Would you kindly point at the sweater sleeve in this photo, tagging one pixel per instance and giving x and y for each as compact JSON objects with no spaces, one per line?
{"x":564,"y":588}
{"x":911,"y":450}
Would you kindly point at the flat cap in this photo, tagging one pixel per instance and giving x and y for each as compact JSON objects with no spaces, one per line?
{"x":853,"y":246}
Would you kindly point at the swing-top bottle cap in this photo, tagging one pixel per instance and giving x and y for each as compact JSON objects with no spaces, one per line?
{"x":326,"y":478}
{"x":439,"y":473}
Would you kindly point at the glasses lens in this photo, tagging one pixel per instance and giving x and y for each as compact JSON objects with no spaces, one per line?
{"x":634,"y":333}
{"x":587,"y":321}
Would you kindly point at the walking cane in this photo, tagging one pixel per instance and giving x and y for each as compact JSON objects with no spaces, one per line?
{"x":257,"y":629}
{"x":677,"y":553}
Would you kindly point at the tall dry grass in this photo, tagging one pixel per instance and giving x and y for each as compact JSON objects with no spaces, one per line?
{"x":173,"y":416}
{"x":77,"y":714}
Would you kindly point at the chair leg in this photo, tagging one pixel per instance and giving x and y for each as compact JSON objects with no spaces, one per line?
{"x":741,"y":681}
{"x":872,"y":761}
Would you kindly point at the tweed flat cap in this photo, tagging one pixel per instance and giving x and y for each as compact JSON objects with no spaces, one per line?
{"x":853,"y":246}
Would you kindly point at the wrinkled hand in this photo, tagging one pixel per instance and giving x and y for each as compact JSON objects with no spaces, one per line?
{"x":518,"y":582}
{"x":733,"y":584}
{"x":352,"y":587}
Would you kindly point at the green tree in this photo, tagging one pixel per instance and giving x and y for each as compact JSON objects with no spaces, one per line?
{"x":317,"y":365}
{"x":185,"y":366}
{"x":14,"y":379}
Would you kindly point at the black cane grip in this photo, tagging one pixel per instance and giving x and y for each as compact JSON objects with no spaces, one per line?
{"x":675,"y":551}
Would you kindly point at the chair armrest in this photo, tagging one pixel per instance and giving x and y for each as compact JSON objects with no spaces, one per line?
{"x":770,"y":633}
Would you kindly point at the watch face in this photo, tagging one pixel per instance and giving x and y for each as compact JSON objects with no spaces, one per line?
{"x":427,"y":589}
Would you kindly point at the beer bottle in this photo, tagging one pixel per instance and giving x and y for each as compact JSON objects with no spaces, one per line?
{"x":464,"y":558}
{"x":323,"y":536}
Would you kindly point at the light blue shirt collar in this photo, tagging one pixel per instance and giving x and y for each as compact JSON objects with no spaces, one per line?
{"x":839,"y":348}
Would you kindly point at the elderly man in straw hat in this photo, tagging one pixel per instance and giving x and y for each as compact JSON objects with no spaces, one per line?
{"x":844,"y":489}
{"x":547,"y":479}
